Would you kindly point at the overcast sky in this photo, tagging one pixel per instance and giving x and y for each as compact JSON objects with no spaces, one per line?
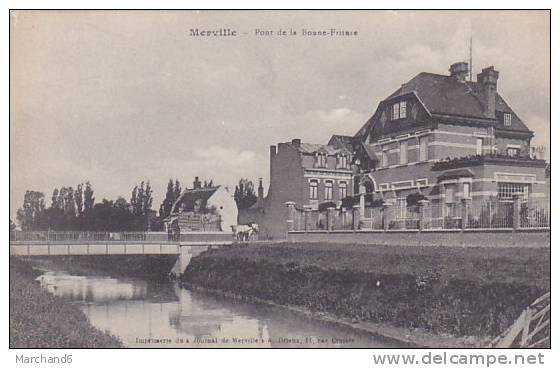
{"x":120,"y":97}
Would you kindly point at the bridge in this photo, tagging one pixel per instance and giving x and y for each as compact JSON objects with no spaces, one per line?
{"x":57,"y":243}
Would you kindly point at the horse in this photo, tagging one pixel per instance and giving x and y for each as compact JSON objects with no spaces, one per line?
{"x":244,"y":232}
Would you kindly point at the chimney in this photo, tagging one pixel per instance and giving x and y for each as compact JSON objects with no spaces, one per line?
{"x":260,"y":196}
{"x":489,"y":80}
{"x":196,"y":183}
{"x":272,"y":157}
{"x":296,"y":142}
{"x":459,"y":71}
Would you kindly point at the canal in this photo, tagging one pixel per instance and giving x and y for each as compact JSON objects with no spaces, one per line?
{"x":146,"y":314}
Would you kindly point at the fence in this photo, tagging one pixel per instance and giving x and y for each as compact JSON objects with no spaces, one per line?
{"x":487,"y":214}
{"x":490,"y":215}
{"x":88,"y":236}
{"x":535,"y":214}
{"x":314,"y":220}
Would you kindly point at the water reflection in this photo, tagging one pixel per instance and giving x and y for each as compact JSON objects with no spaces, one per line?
{"x":144,"y":314}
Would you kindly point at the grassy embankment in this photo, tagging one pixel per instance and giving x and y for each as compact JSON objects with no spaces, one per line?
{"x":39,"y":319}
{"x":476,"y":292}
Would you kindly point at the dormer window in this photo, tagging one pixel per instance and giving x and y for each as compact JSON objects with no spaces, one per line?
{"x":507,"y":119}
{"x":342,"y":161}
{"x":395,"y":111}
{"x":321,"y":159}
{"x":399,"y":110}
{"x":402,"y":108}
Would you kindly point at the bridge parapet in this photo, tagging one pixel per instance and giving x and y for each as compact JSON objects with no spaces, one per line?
{"x":43,"y":243}
{"x":90,"y":236}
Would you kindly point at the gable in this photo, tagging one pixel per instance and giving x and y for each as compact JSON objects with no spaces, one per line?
{"x":382,"y":124}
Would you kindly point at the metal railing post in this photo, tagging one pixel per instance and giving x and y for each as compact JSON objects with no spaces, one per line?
{"x":386,"y":215}
{"x":330,"y":218}
{"x":356,"y":215}
{"x":516,"y":211}
{"x":466,"y":204}
{"x":421,"y":206}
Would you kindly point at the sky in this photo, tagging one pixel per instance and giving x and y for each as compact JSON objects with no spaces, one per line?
{"x":119,"y":97}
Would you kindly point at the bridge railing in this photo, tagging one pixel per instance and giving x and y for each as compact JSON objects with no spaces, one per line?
{"x":90,"y":236}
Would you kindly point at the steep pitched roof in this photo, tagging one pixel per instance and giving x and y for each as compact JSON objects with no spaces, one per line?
{"x":340,"y":141}
{"x":312,"y":148}
{"x":189,"y":196}
{"x":368,"y":149}
{"x":443,"y":94}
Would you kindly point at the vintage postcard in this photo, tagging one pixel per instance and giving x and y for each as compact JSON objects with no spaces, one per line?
{"x":280,"y":179}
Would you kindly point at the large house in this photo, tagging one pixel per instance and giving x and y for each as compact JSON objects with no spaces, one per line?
{"x":447,"y":139}
{"x":305,"y":173}
{"x":440,"y":138}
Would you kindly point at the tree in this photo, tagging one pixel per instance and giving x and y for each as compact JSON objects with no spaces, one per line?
{"x":147,"y":199}
{"x":55,"y":200}
{"x":177,"y":189}
{"x":33,"y":205}
{"x":89,"y":200}
{"x":121,"y":216}
{"x":134,"y":200}
{"x":138,"y":210}
{"x":173,"y":192}
{"x":79,"y":199}
{"x":167,"y":203}
{"x":244,"y":194}
{"x":69,"y":203}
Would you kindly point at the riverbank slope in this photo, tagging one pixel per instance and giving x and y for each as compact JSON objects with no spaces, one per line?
{"x":39,"y":319}
{"x":465,"y":294}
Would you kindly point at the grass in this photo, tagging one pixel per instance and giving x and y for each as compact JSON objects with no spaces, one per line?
{"x":39,"y":319}
{"x":527,"y":266}
{"x":442,"y":290}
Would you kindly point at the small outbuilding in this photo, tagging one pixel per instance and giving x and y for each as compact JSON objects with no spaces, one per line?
{"x":209,"y":208}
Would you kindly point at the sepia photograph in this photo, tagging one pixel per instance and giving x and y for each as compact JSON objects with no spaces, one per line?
{"x":279,"y":179}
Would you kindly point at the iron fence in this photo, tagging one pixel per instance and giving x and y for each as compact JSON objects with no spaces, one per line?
{"x":535,"y":213}
{"x":490,"y":215}
{"x":482,"y":214}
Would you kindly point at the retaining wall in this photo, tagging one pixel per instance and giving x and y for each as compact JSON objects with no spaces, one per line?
{"x":470,"y":238}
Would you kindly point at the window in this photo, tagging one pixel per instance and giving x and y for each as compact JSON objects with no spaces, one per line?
{"x":401,"y":207}
{"x":423,"y":155}
{"x":512,"y":151}
{"x":342,"y":162}
{"x":328,"y":190}
{"x":450,"y":205}
{"x":466,"y":190}
{"x":399,"y":110}
{"x":384,"y":159}
{"x":507,"y":190}
{"x":321,"y":160}
{"x":450,"y":193}
{"x":402,"y":108}
{"x":342,"y":190}
{"x":395,"y":115}
{"x":507,"y":119}
{"x":403,"y":148}
{"x":313,"y":185}
{"x":479,"y":142}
